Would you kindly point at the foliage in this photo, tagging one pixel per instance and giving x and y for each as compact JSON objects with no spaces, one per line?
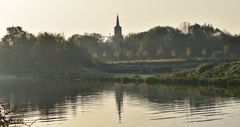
{"x":46,"y":53}
{"x":22,"y":52}
{"x":227,"y":73}
{"x":196,"y":41}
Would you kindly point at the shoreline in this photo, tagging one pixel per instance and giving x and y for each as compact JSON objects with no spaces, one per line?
{"x":227,"y":73}
{"x":137,"y":78}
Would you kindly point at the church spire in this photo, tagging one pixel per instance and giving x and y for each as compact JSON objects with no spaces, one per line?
{"x":118,"y":31}
{"x":117,"y":24}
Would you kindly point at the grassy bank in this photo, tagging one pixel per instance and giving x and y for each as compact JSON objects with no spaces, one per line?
{"x":227,"y":73}
{"x":216,"y":74}
{"x":205,"y":74}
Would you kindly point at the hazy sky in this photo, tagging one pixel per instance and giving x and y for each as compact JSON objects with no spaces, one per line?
{"x":80,"y":16}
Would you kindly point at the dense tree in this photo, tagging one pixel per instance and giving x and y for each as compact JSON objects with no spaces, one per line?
{"x":22,"y":52}
{"x":88,"y":42}
{"x":16,"y":49}
{"x":195,"y":41}
{"x":50,"y":52}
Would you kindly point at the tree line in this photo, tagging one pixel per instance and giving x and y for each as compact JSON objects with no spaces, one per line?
{"x":22,"y":52}
{"x":191,"y":42}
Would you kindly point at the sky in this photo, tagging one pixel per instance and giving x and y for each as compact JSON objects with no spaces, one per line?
{"x":88,"y":16}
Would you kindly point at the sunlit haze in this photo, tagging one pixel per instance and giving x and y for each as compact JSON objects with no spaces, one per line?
{"x":80,"y":16}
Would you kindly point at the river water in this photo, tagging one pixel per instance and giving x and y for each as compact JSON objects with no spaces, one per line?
{"x":60,"y":103}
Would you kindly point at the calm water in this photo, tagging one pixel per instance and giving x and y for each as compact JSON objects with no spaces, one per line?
{"x":79,"y":104}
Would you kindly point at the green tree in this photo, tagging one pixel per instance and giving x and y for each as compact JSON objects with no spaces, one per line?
{"x":17,"y":46}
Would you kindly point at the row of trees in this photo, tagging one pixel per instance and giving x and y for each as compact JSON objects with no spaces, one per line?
{"x":21,"y":51}
{"x":193,"y":41}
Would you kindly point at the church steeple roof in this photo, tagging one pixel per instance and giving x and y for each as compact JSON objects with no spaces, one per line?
{"x":117,"y":24}
{"x":118,"y":30}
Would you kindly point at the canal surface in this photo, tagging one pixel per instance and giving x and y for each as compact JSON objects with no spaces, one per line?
{"x":81,"y":104}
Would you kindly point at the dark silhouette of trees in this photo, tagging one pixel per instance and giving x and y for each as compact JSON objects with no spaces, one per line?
{"x":88,"y":43}
{"x":50,"y":52}
{"x":193,"y":41}
{"x":16,"y":49}
{"x":22,"y":52}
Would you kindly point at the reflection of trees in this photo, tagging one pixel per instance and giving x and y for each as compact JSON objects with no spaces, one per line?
{"x":197,"y":97}
{"x":50,"y":98}
{"x":119,"y":100}
{"x":195,"y":103}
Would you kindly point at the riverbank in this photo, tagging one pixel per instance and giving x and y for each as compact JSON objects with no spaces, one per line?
{"x":217,"y":74}
{"x":224,"y":73}
{"x":205,"y":74}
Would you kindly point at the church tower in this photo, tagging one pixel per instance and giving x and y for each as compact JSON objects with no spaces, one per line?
{"x":118,"y":31}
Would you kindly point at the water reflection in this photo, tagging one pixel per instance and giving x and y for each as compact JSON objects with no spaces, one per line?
{"x":61,"y":102}
{"x":47,"y":99}
{"x":119,"y":100}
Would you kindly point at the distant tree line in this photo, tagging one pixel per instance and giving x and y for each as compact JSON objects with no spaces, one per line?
{"x":192,"y":41}
{"x":22,"y":52}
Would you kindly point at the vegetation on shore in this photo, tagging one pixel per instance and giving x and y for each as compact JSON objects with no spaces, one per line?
{"x":214,"y":74}
{"x":49,"y":55}
{"x":45,"y":55}
{"x":217,"y":74}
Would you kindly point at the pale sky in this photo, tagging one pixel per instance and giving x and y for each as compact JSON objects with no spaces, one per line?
{"x":80,"y":16}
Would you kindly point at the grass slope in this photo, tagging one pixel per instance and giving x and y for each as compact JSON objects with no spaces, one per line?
{"x":228,"y":73}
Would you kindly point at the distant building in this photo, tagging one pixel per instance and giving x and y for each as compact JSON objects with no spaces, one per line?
{"x":118,"y":31}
